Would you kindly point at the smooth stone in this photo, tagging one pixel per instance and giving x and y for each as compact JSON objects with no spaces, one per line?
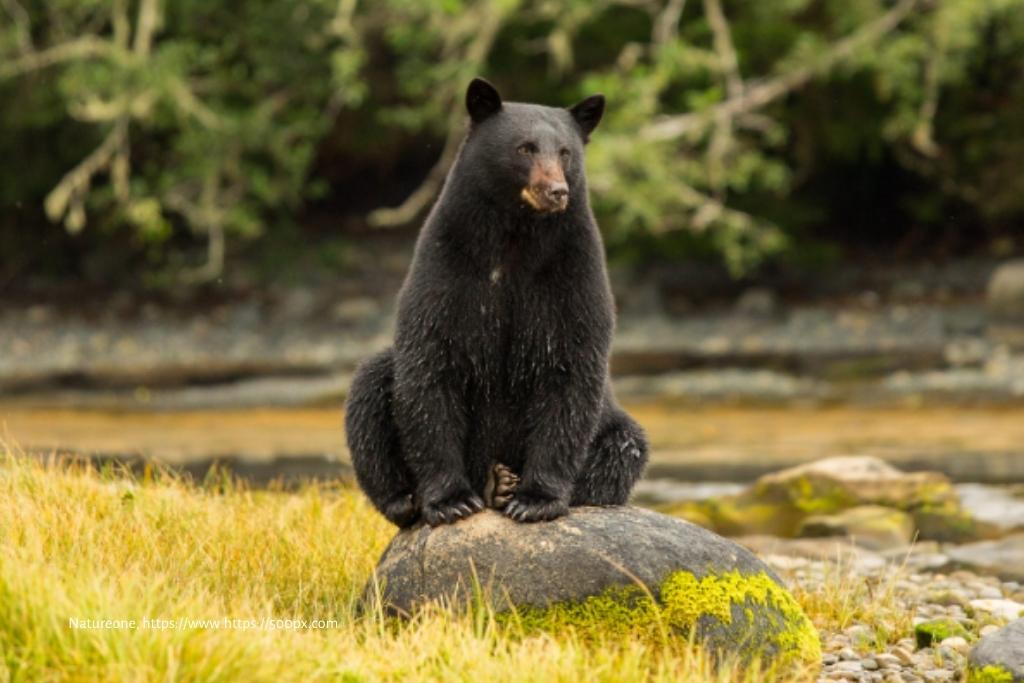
{"x":886,"y":659}
{"x":989,"y":593}
{"x":956,"y":644}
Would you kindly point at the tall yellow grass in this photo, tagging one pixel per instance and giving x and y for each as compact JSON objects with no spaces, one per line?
{"x":87,"y":544}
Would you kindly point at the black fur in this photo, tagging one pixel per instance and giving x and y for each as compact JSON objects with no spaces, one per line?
{"x":501,"y":349}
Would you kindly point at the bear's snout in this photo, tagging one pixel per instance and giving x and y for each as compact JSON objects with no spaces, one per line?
{"x":547,"y":191}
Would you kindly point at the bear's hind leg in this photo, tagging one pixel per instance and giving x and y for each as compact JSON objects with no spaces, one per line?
{"x":615,"y":461}
{"x":373,"y":442}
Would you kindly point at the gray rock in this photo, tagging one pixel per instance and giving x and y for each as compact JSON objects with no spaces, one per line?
{"x":573,"y":565}
{"x":1005,"y":294}
{"x":1003,"y":558}
{"x":1001,"y":652}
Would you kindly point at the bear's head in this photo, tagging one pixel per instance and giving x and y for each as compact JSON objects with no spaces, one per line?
{"x":528,"y":157}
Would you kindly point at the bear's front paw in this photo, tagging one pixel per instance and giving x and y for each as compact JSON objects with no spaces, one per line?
{"x":402,"y":511}
{"x":529,"y":507}
{"x":452,"y":508}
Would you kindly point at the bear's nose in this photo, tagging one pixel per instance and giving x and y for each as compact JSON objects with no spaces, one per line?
{"x":557,"y":192}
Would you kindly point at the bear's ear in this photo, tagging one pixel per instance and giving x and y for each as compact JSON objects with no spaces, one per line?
{"x":482,"y":100}
{"x":588,"y":114}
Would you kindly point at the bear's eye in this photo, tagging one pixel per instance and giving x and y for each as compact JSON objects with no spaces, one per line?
{"x":564,"y":152}
{"x":527,"y":148}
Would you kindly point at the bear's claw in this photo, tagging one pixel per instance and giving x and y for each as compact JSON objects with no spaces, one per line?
{"x":452,"y":508}
{"x":531,"y":508}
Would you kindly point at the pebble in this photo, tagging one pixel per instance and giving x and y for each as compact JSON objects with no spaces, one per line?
{"x":1002,"y":609}
{"x":886,"y":660}
{"x":860,"y":652}
{"x":956,"y":644}
{"x":853,"y":667}
{"x":990,"y":593}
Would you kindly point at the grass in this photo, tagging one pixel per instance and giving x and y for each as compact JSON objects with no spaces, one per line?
{"x":844,"y":598}
{"x":81,"y":543}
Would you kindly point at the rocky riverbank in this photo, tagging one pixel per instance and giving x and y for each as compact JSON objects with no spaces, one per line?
{"x":912,"y":608}
{"x":907,"y":624}
{"x":883,"y":339}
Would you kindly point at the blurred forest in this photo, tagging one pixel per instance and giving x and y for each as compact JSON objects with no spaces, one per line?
{"x":154,"y":143}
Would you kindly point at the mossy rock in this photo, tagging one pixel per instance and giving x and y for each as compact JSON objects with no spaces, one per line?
{"x":871,"y":526}
{"x":779,"y":504}
{"x":618,"y":571}
{"x":999,"y":656}
{"x":934,"y":631}
{"x":950,"y":523}
{"x":832,"y":484}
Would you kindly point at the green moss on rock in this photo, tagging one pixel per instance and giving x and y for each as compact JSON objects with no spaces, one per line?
{"x":989,"y":674}
{"x":750,"y":616}
{"x":935,"y":631}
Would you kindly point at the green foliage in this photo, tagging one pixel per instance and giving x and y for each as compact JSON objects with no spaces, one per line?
{"x":162,"y":119}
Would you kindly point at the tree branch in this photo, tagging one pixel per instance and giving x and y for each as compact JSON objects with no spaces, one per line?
{"x":728,"y":65}
{"x":923,"y":136}
{"x":724,"y":47}
{"x":73,"y":187}
{"x":428,"y":189}
{"x":66,"y":200}
{"x":86,"y":47}
{"x":145,"y":26}
{"x":768,"y":91}
{"x":666,"y":24}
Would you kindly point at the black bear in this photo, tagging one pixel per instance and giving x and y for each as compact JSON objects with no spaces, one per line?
{"x":496,"y":391}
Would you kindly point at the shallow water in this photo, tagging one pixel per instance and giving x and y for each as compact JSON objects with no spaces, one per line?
{"x":977,"y":444}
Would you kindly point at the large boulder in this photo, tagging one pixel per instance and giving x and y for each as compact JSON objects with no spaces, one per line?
{"x":609,"y":570}
{"x":999,"y":656}
{"x":781,"y":502}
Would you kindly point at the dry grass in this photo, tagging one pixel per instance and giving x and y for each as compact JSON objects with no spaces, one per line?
{"x":845,"y":598}
{"x":86,"y":544}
